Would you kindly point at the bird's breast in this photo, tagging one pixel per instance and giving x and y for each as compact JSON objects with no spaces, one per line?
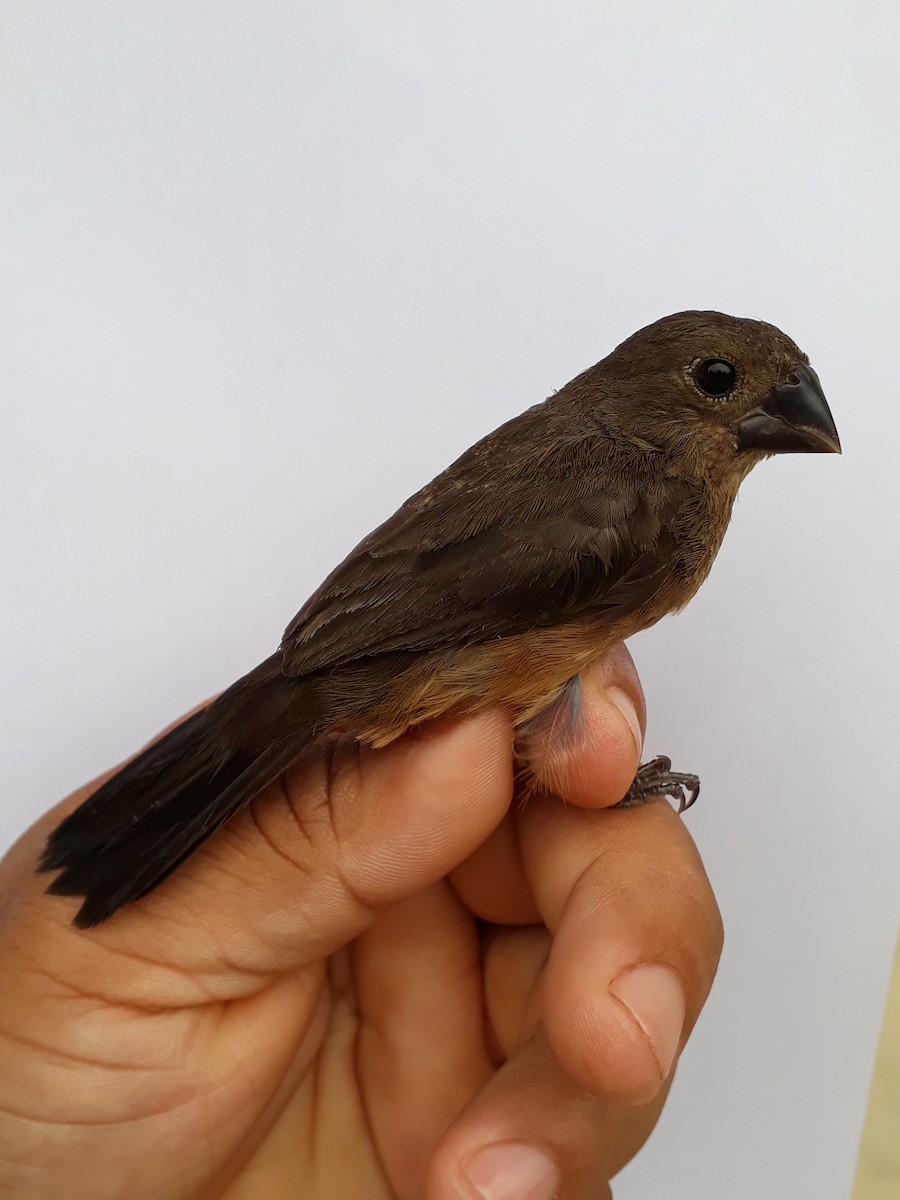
{"x":525,"y":673}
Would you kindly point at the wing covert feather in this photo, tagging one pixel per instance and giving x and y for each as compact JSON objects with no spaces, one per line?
{"x":484,"y":551}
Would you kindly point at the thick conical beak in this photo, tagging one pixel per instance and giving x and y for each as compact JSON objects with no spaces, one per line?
{"x":794,"y":419}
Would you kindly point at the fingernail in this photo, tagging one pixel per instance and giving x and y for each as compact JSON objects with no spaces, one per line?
{"x":654,"y":995}
{"x":623,"y":702}
{"x":512,"y":1171}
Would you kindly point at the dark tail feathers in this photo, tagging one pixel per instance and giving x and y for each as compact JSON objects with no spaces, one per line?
{"x":153,"y":814}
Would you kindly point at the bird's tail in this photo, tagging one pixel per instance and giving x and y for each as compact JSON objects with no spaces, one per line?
{"x":153,"y":814}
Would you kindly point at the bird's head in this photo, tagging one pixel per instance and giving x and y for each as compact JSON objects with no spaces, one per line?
{"x":733,"y":384}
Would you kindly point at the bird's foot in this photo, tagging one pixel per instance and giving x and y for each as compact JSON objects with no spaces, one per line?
{"x":656,"y":778}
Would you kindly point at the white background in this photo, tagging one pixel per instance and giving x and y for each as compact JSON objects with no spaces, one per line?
{"x":267,"y":267}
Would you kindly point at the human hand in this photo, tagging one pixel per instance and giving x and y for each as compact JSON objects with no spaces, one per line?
{"x":381,"y":967}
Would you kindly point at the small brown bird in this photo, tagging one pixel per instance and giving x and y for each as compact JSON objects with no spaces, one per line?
{"x":569,"y":528}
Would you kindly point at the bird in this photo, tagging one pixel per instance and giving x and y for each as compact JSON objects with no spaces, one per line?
{"x":571,"y":527}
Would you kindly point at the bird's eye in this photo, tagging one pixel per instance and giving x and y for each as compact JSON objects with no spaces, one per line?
{"x":715,"y":376}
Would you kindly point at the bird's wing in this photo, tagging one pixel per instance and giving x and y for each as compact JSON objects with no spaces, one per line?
{"x":473,"y":557}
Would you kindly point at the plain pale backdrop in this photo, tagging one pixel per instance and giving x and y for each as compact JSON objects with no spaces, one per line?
{"x":267,"y":267}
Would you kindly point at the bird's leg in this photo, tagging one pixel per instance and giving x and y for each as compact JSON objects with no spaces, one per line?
{"x":656,"y":778}
{"x":545,"y":743}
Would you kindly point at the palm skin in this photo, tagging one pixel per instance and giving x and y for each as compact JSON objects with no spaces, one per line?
{"x":380,"y":966}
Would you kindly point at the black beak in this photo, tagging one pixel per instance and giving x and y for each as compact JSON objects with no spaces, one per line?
{"x":793,"y":419}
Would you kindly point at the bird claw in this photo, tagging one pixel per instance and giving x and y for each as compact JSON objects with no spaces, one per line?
{"x":656,"y":778}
